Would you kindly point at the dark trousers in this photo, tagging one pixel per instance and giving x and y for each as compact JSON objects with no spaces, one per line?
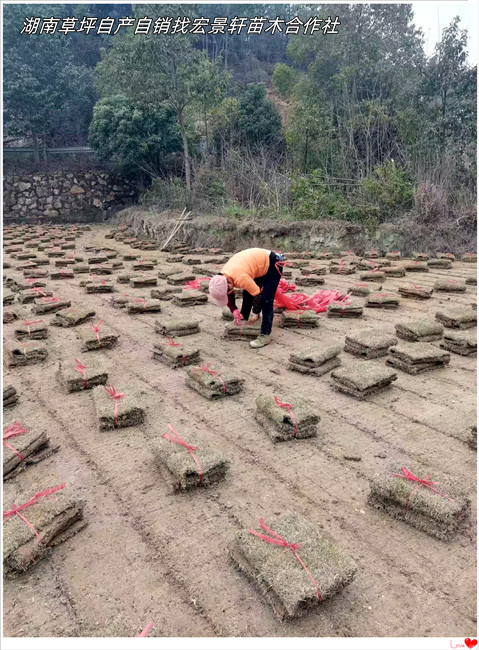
{"x":269,"y":283}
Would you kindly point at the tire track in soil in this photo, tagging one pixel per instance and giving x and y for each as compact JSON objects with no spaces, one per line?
{"x":135,"y":522}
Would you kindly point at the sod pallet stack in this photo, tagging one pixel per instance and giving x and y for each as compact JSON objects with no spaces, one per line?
{"x":363,"y":380}
{"x":421,"y":497}
{"x":143,"y":305}
{"x":363,"y":289}
{"x":190,"y":298}
{"x":190,"y":462}
{"x":419,"y":330}
{"x":286,"y":420}
{"x":450,"y":285}
{"x":415,"y":358}
{"x":175,"y":327}
{"x":462,"y":343}
{"x":76,"y":376}
{"x":10,"y":396}
{"x":459,"y":318}
{"x":23,"y":446}
{"x":315,"y":360}
{"x":415,"y":291}
{"x":306,"y":319}
{"x":24,"y":353}
{"x":241,"y":332}
{"x":369,"y":344}
{"x":54,"y":520}
{"x":97,"y":337}
{"x":117,"y":408}
{"x":213,"y":383}
{"x":439,"y":263}
{"x":345,"y":309}
{"x":176,"y":355}
{"x":31,"y":329}
{"x":72,"y":317}
{"x":382,"y":301}
{"x":294,"y":568}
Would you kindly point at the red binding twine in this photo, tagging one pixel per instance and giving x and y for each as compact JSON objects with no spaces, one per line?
{"x":409,"y":476}
{"x":81,"y":368}
{"x":39,"y":291}
{"x":116,"y":396}
{"x":206,"y":368}
{"x":277,"y":540}
{"x":31,"y":322}
{"x":177,"y":439}
{"x":289,"y":408}
{"x":13,"y":431}
{"x":96,"y":329}
{"x":35,"y":499}
{"x":146,"y":630}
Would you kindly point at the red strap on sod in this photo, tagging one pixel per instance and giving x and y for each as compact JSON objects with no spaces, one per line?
{"x":35,"y":499}
{"x":62,"y":272}
{"x":31,"y":322}
{"x":13,"y":431}
{"x":96,"y":329}
{"x":116,"y":396}
{"x":176,"y":438}
{"x":81,"y":369}
{"x":289,"y":408}
{"x":409,"y":476}
{"x":38,"y":290}
{"x":277,"y":540}
{"x":206,"y":368}
{"x":146,"y":630}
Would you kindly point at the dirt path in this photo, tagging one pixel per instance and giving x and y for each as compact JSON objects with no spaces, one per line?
{"x":149,"y":554}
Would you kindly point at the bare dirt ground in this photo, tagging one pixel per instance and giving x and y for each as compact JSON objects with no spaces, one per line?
{"x":148,"y":554}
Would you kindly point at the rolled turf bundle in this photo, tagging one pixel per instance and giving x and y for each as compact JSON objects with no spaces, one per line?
{"x":306,"y":319}
{"x":241,"y":332}
{"x":174,"y":327}
{"x":124,"y":278}
{"x":118,"y":409}
{"x":226,"y":314}
{"x":420,"y":257}
{"x":174,"y":258}
{"x":179,"y":279}
{"x":286,"y":420}
{"x":142,"y":305}
{"x":191,"y":463}
{"x":29,"y":295}
{"x":342,"y":269}
{"x":97,"y":259}
{"x":369,"y":344}
{"x":367,"y":265}
{"x":81,"y":268}
{"x":165,"y":293}
{"x":373,"y":254}
{"x":76,"y":376}
{"x":189,"y":298}
{"x":120,"y":301}
{"x":394,"y":271}
{"x":25,"y":353}
{"x":309,"y":280}
{"x":419,"y":330}
{"x":190,"y":260}
{"x":176,"y":355}
{"x":416,"y":267}
{"x":447,"y":256}
{"x":314,"y":270}
{"x":44,"y":261}
{"x":441,"y":263}
{"x":143,"y":266}
{"x":101,"y":269}
{"x":97,"y":337}
{"x":363,"y":289}
{"x":450,"y":285}
{"x":472,"y":280}
{"x":35,"y":273}
{"x":99,"y":286}
{"x":471,"y":258}
{"x":457,"y":318}
{"x":421,"y":497}
{"x":415,"y":358}
{"x":372,"y":276}
{"x":22,"y":447}
{"x":362,"y":380}
{"x":340,"y":309}
{"x":315,"y":360}
{"x":292,"y":566}
{"x":8,"y":298}
{"x":72,"y":317}
{"x":143,"y":281}
{"x":393,"y":255}
{"x":10,"y":395}
{"x":27,"y":329}
{"x":460,"y":343}
{"x":415,"y":291}
{"x":65,"y":262}
{"x":10,"y":315}
{"x":382,"y":300}
{"x":61,"y":274}
{"x":211,"y":383}
{"x":52,"y":521}
{"x":165,"y":272}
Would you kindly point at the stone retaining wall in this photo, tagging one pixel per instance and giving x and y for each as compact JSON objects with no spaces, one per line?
{"x":56,"y":197}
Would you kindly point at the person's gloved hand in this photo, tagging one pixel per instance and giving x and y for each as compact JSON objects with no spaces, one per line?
{"x":237,"y":316}
{"x":253,"y":318}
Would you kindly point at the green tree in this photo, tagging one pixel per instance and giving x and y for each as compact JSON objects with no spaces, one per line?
{"x":133,"y":137}
{"x":258,"y":123}
{"x":284,"y":79}
{"x":212,"y":84}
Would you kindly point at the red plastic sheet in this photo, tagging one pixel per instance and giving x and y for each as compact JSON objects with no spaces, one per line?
{"x":318,"y":302}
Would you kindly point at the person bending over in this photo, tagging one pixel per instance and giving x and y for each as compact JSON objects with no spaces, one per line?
{"x":257,"y":271}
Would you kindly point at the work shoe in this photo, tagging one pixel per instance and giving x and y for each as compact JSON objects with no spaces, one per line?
{"x":261,"y":341}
